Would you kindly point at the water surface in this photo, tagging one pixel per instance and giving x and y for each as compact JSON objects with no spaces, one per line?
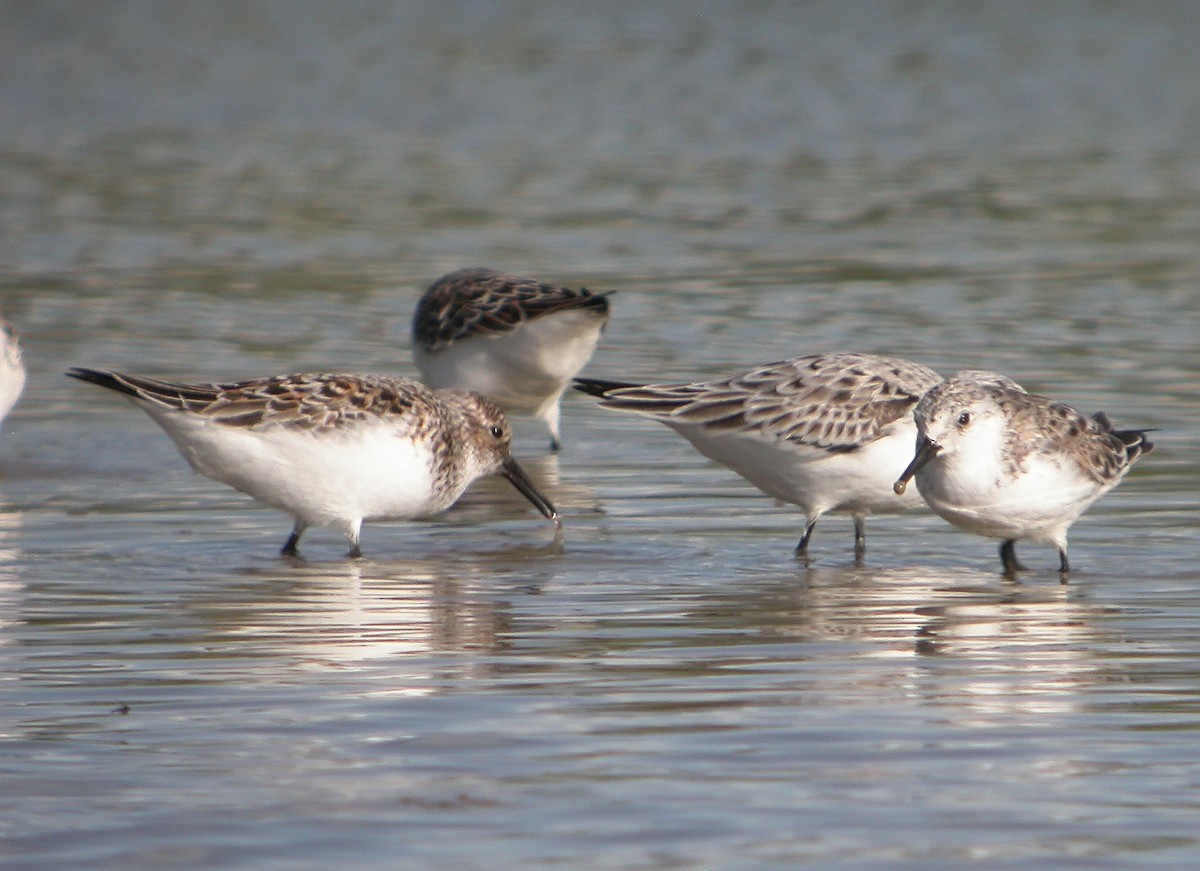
{"x":237,"y":189}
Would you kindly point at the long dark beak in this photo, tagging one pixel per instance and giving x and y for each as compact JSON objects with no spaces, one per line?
{"x":926,"y":451}
{"x":517,"y":477}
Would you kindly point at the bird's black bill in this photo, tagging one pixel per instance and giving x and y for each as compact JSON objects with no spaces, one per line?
{"x":926,"y":451}
{"x":517,"y":477}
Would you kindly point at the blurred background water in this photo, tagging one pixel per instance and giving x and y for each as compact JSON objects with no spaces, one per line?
{"x":230,"y":189}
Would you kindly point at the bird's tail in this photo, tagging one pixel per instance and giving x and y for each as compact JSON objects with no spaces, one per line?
{"x":1133,"y":441}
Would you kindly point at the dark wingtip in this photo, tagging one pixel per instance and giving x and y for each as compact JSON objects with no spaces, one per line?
{"x":82,"y":374}
{"x":598,"y":387}
{"x":100,"y":378}
{"x":1135,"y":442}
{"x":597,"y":302}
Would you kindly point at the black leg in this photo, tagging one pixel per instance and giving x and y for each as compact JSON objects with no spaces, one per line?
{"x":355,"y":551}
{"x":860,"y":538}
{"x":1008,"y":556}
{"x":289,"y":546}
{"x":555,"y":445}
{"x":802,"y":547}
{"x":1064,"y":565}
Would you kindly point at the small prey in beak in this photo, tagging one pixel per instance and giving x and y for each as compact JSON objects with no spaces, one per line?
{"x":926,"y":451}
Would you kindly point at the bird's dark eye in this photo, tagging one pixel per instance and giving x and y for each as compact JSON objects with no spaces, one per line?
{"x":497,"y":431}
{"x":964,"y":418}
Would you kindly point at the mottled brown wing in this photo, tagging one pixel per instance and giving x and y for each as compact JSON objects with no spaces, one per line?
{"x":482,"y":301}
{"x":834,"y":401}
{"x":311,"y":402}
{"x":319,"y":402}
{"x":1101,"y":452}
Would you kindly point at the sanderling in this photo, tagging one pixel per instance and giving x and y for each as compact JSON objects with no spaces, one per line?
{"x":827,"y":432}
{"x":1004,"y":463}
{"x":333,"y":450}
{"x":515,"y":340}
{"x":12,"y":368}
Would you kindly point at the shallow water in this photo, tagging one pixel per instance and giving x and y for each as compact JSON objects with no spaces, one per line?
{"x":236,"y":189}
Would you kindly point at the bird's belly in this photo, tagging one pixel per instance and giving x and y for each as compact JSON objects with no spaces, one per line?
{"x":324,"y":479}
{"x":522,"y":370}
{"x":816,"y":479}
{"x":1035,"y":504}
